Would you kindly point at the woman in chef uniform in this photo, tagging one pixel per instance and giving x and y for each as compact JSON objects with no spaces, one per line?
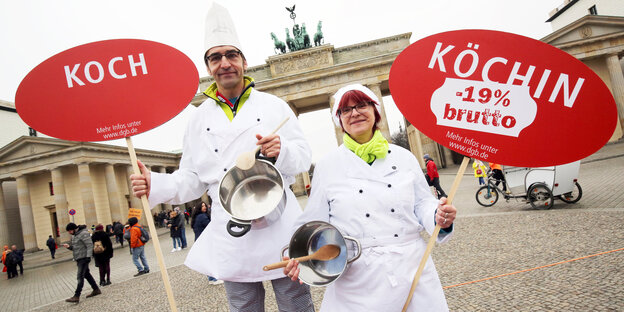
{"x":375,"y":192}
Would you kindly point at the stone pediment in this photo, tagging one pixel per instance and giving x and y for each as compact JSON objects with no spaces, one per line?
{"x":587,"y":29}
{"x":26,"y":146}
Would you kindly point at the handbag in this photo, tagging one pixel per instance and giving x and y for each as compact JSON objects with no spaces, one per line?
{"x":479,"y":171}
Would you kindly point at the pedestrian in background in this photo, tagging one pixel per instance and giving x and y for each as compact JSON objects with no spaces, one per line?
{"x":434,"y":177}
{"x":10,"y":261}
{"x":118,"y":230}
{"x":479,"y":171}
{"x":199,"y":221}
{"x":19,"y":258}
{"x":82,"y":248}
{"x":102,"y":259}
{"x":174,"y":230}
{"x":137,"y":247}
{"x":4,"y":254}
{"x":499,"y":176}
{"x":51,"y":243}
{"x":182,"y":227}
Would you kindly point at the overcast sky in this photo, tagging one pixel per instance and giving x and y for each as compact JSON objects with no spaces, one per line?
{"x":32,"y":31}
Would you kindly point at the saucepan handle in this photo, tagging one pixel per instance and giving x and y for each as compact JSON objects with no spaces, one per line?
{"x":269,"y":159}
{"x":359,"y":248}
{"x":282,"y":252}
{"x":233,"y":224}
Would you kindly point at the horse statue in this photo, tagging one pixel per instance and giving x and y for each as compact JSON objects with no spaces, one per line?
{"x":290,"y":42}
{"x":279,"y":46}
{"x":306,"y":38}
{"x":318,"y":36}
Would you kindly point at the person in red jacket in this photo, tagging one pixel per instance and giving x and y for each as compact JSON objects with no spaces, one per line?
{"x":434,"y":177}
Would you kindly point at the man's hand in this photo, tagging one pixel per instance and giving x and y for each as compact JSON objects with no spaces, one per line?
{"x":271,"y":145}
{"x":141,"y":183}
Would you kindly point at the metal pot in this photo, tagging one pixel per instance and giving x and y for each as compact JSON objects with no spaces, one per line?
{"x":309,"y":238}
{"x":253,"y":197}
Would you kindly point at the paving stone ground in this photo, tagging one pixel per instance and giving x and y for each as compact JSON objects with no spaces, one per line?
{"x":559,"y":251}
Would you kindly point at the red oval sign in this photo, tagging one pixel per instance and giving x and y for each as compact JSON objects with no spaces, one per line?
{"x":503,"y":98}
{"x":107,"y":90}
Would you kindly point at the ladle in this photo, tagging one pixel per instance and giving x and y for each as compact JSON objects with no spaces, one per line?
{"x":246,"y":160}
{"x":326,"y":252}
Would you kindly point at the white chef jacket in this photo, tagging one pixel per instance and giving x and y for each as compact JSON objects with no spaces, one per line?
{"x":385,"y":206}
{"x":211,"y":145}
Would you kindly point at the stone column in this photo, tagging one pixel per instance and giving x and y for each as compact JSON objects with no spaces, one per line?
{"x":337,"y":128}
{"x":60,"y":202}
{"x":383,"y":124}
{"x":617,"y":84}
{"x":86,"y":190}
{"x":4,"y":225}
{"x":134,"y":201}
{"x":166,"y":207}
{"x":26,"y":214}
{"x":113,"y":193}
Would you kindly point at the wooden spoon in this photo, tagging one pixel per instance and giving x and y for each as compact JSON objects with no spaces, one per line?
{"x":326,"y":252}
{"x":246,"y":160}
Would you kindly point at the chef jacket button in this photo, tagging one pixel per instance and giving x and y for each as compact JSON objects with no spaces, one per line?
{"x":216,"y":150}
{"x":394,"y":167}
{"x":392,"y":210}
{"x":368,"y":215}
{"x":258,"y":119}
{"x":224,"y":169}
{"x":396,"y":235}
{"x":361,"y":191}
{"x":207,"y":129}
{"x":389,"y":185}
{"x":389,"y":151}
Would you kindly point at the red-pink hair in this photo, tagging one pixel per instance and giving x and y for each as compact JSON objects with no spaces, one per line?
{"x":357,"y":96}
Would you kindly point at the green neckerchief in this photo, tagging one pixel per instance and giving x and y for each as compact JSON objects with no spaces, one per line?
{"x":211,"y":92}
{"x":377,"y":147}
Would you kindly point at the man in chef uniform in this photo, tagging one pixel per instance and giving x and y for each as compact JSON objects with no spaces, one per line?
{"x":234,"y":119}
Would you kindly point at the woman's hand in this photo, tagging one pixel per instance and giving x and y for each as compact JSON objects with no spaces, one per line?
{"x":445,"y":216}
{"x":292,"y":270}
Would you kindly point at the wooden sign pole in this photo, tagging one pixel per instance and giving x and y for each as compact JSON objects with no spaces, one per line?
{"x":152,"y":229}
{"x":436,"y":231}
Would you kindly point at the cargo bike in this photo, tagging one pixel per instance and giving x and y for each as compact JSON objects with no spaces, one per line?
{"x":537,"y":186}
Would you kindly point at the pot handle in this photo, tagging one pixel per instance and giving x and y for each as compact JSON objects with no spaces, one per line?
{"x":269,"y":159}
{"x":359,"y":248}
{"x":232,"y":224}
{"x":282,"y":252}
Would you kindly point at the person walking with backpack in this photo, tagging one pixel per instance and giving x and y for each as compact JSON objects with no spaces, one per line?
{"x":10,"y":262}
{"x":82,"y":248}
{"x":51,"y":243}
{"x":137,"y":246}
{"x":102,"y":253}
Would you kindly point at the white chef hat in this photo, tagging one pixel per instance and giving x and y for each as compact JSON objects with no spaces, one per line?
{"x":220,"y":30}
{"x":341,"y":92}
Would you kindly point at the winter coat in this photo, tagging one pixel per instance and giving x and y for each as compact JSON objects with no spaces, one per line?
{"x":175,"y":230}
{"x":211,"y":145}
{"x":385,"y":206}
{"x":106,"y":242}
{"x":81,"y":244}
{"x":135,"y":236}
{"x":432,"y":169}
{"x":51,"y":243}
{"x":479,"y":166}
{"x":118,"y":228}
{"x":201,"y":222}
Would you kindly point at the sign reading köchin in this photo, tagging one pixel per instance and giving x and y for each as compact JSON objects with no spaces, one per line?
{"x":503,"y":98}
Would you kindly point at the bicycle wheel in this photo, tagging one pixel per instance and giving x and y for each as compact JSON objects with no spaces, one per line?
{"x":574,"y":196}
{"x":486,"y":196}
{"x":540,"y":196}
